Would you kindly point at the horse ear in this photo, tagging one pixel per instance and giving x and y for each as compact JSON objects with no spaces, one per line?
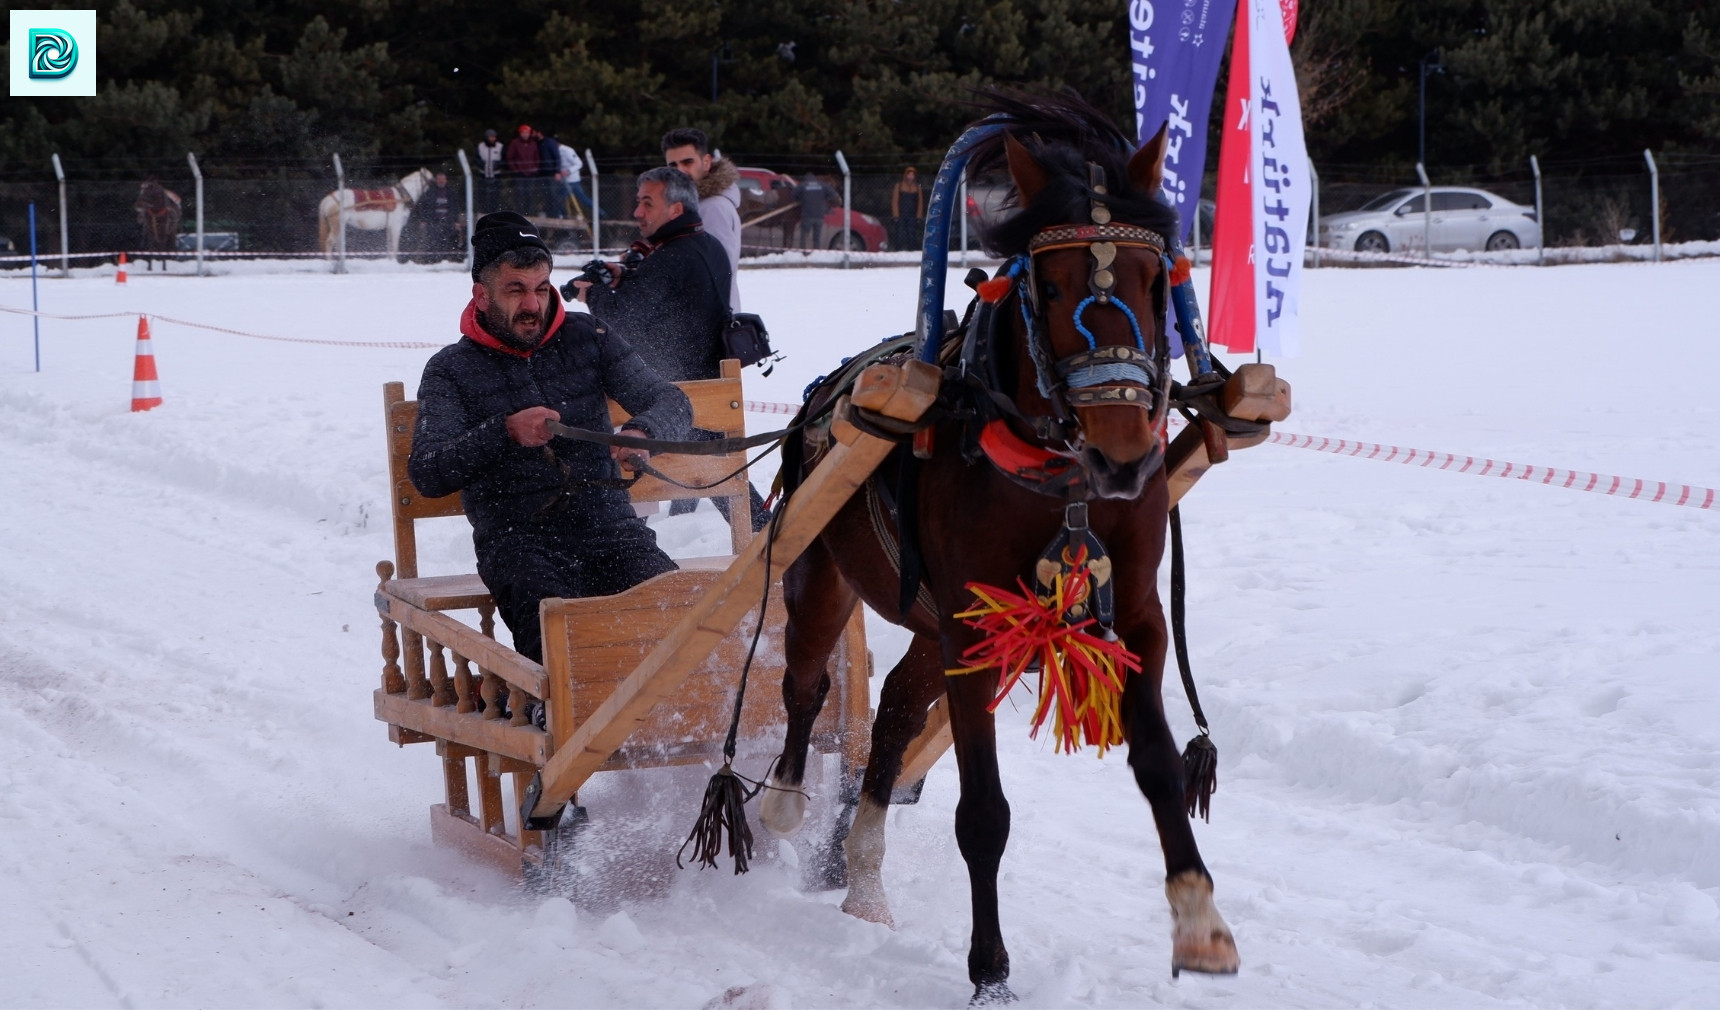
{"x":1147,"y":165}
{"x":1027,"y":174}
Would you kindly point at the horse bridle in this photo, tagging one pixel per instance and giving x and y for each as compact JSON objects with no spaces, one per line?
{"x":1094,"y":376}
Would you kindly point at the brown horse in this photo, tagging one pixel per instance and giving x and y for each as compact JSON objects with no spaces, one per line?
{"x":1088,"y":222}
{"x":158,"y":214}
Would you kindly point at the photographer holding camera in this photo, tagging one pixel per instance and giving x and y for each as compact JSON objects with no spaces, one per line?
{"x":669,"y":295}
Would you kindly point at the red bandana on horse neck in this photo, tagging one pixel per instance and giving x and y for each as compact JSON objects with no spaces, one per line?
{"x":470,"y":327}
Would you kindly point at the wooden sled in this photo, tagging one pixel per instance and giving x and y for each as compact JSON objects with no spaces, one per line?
{"x":641,"y":679}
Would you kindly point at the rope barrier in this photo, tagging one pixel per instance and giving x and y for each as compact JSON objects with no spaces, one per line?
{"x":1658,"y":492}
{"x":1636,"y":489}
{"x":386,"y":344}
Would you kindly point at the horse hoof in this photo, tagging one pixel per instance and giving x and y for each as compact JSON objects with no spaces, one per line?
{"x":992,"y":994}
{"x":783,"y":808}
{"x":1200,"y":940}
{"x":872,"y":907}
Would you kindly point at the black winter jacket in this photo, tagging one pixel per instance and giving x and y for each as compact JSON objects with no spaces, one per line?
{"x":468,"y":390}
{"x":673,"y":306}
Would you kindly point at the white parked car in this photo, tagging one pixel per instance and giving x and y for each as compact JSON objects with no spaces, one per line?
{"x":1471,"y":219}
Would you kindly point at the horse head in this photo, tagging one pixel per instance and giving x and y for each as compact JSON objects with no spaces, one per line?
{"x":1087,"y":252}
{"x":415,"y":183}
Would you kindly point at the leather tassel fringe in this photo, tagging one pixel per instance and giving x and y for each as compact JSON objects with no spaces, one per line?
{"x":723,"y":814}
{"x":1200,"y":776}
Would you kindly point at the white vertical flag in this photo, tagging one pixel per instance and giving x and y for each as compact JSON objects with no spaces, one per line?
{"x":1281,"y":187}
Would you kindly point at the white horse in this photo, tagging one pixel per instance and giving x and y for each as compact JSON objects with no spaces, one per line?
{"x":371,"y":210}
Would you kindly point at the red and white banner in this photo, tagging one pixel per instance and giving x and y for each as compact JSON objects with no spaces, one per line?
{"x":1261,"y":226}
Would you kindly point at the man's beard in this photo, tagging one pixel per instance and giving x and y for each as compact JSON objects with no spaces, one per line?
{"x":522,"y":331}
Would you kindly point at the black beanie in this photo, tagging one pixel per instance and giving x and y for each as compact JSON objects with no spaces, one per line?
{"x":496,"y":234}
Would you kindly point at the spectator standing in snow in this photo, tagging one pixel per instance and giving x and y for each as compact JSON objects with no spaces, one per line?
{"x":549,"y":172}
{"x":670,"y":296}
{"x":814,"y":197}
{"x":521,"y":158}
{"x":571,"y":169}
{"x":907,"y":210}
{"x":437,"y":214}
{"x":483,"y":408}
{"x":489,"y":172}
{"x":719,"y":195}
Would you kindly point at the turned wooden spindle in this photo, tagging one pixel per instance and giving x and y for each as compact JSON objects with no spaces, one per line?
{"x":441,"y":689}
{"x":518,"y":703}
{"x":417,"y":685}
{"x":393,"y":682}
{"x":463,"y":684}
{"x":488,"y":688}
{"x":487,"y":619}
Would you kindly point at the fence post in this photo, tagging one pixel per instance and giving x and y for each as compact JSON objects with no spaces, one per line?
{"x":964,"y":213}
{"x":847,"y":208}
{"x":596,"y":204}
{"x":340,"y":215}
{"x":65,"y":241}
{"x":1194,"y":235}
{"x":1540,"y":213}
{"x":1313,"y":211}
{"x":1426,"y":212}
{"x":197,"y":174}
{"x":466,"y":170}
{"x":35,"y":303}
{"x":1654,"y":197}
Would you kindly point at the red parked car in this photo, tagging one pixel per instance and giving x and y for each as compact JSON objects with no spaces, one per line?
{"x":766,"y":199}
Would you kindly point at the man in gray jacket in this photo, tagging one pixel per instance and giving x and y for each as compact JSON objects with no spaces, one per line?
{"x":719,"y":195}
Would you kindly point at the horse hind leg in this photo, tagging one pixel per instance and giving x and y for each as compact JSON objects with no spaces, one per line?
{"x":818,"y":601}
{"x":912,"y":686}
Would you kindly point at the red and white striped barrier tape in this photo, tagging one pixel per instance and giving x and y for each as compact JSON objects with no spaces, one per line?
{"x":764,"y":407}
{"x":1659,"y":492}
{"x":1575,"y":480}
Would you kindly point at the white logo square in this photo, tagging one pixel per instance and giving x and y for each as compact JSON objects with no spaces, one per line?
{"x":53,"y":53}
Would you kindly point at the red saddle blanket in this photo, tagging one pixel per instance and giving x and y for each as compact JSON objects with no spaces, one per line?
{"x":374,"y":199}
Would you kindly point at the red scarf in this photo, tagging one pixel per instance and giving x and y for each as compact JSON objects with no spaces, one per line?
{"x":471,"y":328}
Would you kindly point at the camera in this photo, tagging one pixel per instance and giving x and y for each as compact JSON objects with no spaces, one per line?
{"x":596,"y":272}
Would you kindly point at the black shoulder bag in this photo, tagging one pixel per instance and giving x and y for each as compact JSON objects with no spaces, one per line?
{"x":744,"y":334}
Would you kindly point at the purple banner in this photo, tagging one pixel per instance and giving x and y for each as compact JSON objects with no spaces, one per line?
{"x":1176,"y":47}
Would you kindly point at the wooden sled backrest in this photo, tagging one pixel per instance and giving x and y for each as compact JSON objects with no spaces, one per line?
{"x":718,"y":405}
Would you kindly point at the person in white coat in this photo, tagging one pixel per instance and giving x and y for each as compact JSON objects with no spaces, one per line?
{"x":570,"y":175}
{"x":719,"y":195}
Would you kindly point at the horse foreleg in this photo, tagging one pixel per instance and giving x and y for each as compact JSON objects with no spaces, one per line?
{"x":1200,"y":939}
{"x":982,"y":824}
{"x":819,"y":602}
{"x":916,"y":681}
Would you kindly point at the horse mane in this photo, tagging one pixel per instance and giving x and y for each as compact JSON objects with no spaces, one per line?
{"x":1063,"y":132}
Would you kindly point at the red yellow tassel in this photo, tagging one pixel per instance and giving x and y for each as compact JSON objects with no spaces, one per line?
{"x":1080,"y":674}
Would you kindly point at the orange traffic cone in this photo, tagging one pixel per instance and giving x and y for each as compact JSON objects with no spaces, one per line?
{"x":145,"y":386}
{"x":119,"y":278}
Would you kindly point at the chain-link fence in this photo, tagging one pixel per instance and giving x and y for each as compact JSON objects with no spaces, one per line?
{"x":1583,"y":204}
{"x":276,"y":210}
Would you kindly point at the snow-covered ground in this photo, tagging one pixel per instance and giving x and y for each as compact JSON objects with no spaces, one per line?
{"x":1469,"y":728}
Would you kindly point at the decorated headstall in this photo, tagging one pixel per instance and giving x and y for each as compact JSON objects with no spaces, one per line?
{"x":1094,"y":376}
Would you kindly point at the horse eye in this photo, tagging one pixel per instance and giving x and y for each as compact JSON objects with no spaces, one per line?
{"x":1051,"y":292}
